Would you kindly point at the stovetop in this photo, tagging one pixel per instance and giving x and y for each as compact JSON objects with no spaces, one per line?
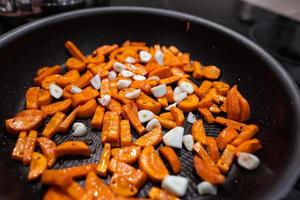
{"x":280,"y":36}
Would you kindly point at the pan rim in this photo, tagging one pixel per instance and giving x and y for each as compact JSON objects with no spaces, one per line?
{"x":290,"y":175}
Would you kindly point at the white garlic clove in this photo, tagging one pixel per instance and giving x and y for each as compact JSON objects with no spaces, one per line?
{"x":176,"y":185}
{"x":145,"y":56}
{"x":159,"y":91}
{"x":152,"y":124}
{"x":180,"y":97}
{"x":174,"y":137}
{"x":159,"y":57}
{"x":134,"y":94}
{"x":177,"y":91}
{"x":127,"y":74}
{"x":118,"y":67}
{"x":112,"y":75}
{"x":139,"y":77}
{"x":145,"y":115}
{"x":130,"y":59}
{"x":191,"y":118}
{"x":248,"y":161}
{"x":188,"y":142}
{"x":171,"y":106}
{"x":105,"y":100}
{"x":75,"y":89}
{"x":186,"y":87}
{"x":206,"y":188}
{"x":79,"y":129}
{"x":153,"y":78}
{"x":55,"y":90}
{"x":124,"y":83}
{"x":96,"y":82}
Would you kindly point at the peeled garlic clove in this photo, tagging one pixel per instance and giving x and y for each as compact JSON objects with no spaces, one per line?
{"x":145,"y":56}
{"x":159,"y":57}
{"x":188,"y":142}
{"x":186,"y":87}
{"x":96,"y":82}
{"x":152,"y":124}
{"x":127,"y":74}
{"x":153,"y":78}
{"x":55,"y":90}
{"x":112,"y":75}
{"x":174,"y":137}
{"x":130,"y":59}
{"x":191,"y":118}
{"x":177,"y":91}
{"x":118,"y":67}
{"x":171,"y":106}
{"x":176,"y":185}
{"x":134,"y":94}
{"x":139,"y":77}
{"x":75,"y":89}
{"x":159,"y":91}
{"x":79,"y":129}
{"x":105,"y":100}
{"x":248,"y":161}
{"x":206,"y":188}
{"x":145,"y":115}
{"x":180,"y":97}
{"x":124,"y":83}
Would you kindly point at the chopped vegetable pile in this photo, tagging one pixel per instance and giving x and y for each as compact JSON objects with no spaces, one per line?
{"x":126,"y":88}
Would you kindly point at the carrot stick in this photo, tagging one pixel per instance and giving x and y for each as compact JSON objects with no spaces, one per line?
{"x":163,"y":101}
{"x":84,"y":96}
{"x":74,"y":51}
{"x":189,"y":104}
{"x":167,"y":115}
{"x":52,"y":126}
{"x":144,"y":102}
{"x":212,"y":149}
{"x":44,"y":98}
{"x":38,"y":165}
{"x":151,"y":138}
{"x":203,"y":89}
{"x":200,"y":150}
{"x":177,"y":115}
{"x":162,"y":72}
{"x":125,"y":134}
{"x":60,"y":106}
{"x":128,"y":154}
{"x":209,"y":118}
{"x":249,"y":146}
{"x":133,"y":119}
{"x":198,"y":72}
{"x":48,"y":148}
{"x":170,"y":94}
{"x":166,"y":123}
{"x":169,"y":80}
{"x":231,"y":123}
{"x":170,"y":155}
{"x":67,"y":122}
{"x":232,"y":104}
{"x":115,"y":106}
{"x":226,"y":159}
{"x":19,"y":148}
{"x":47,"y":72}
{"x":32,"y":96}
{"x":98,"y":118}
{"x":198,"y":132}
{"x":112,"y":119}
{"x":102,"y":165}
{"x":29,"y":146}
{"x":157,"y":193}
{"x":226,"y":137}
{"x":68,"y":78}
{"x":222,"y":88}
{"x":247,"y":133}
{"x":104,"y":87}
{"x":87,"y":109}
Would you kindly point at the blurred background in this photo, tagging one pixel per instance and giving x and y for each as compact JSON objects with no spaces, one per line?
{"x":272,"y":24}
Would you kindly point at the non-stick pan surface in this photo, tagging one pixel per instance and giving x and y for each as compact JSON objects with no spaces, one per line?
{"x":272,"y":94}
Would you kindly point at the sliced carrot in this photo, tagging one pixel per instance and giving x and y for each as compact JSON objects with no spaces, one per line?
{"x":232,"y":104}
{"x":151,"y":138}
{"x":169,"y":80}
{"x":72,"y":148}
{"x":150,"y":162}
{"x":29,"y":147}
{"x":205,"y":172}
{"x":74,"y":51}
{"x":133,"y":119}
{"x":97,"y":188}
{"x":231,"y":123}
{"x":60,"y":106}
{"x":19,"y":148}
{"x":145,"y":102}
{"x":104,"y":87}
{"x":247,"y":133}
{"x":38,"y":165}
{"x":137,"y":69}
{"x":52,"y":126}
{"x":212,"y":148}
{"x":125,"y":133}
{"x":185,"y":80}
{"x":172,"y":61}
{"x":214,"y":109}
{"x":249,"y":146}
{"x":170,"y":155}
{"x":56,"y":193}
{"x":202,"y":153}
{"x":47,"y":72}
{"x":170,"y":94}
{"x":136,"y":177}
{"x":198,"y":132}
{"x":198,"y":72}
{"x":226,"y":159}
{"x":50,"y":79}
{"x":189,"y":104}
{"x":178,"y":71}
{"x":126,"y":154}
{"x":206,"y":101}
{"x":75,"y":191}
{"x":32,"y":97}
{"x":209,"y":118}
{"x":83,"y":80}
{"x":188,"y":68}
{"x":223,"y":107}
{"x":98,"y":69}
{"x":48,"y":148}
{"x":87,"y":109}
{"x":156,"y":193}
{"x":121,"y":186}
{"x":67,"y":122}
{"x":162,"y":72}
{"x":68,"y":78}
{"x":211,"y":72}
{"x":177,"y":115}
{"x":104,"y":160}
{"x":226,"y":137}
{"x":24,"y":121}
{"x":163,"y":101}
{"x":97,"y":59}
{"x":203,"y":88}
{"x":98,"y":118}
{"x":143,"y":85}
{"x":166,"y":123}
{"x":244,"y":108}
{"x":167,"y":115}
{"x":84,"y":96}
{"x":44,"y":98}
{"x":112,"y":130}
{"x":105,"y":49}
{"x":222,"y":88}
{"x":115,"y":106}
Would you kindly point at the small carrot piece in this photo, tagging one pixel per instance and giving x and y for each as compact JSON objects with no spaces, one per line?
{"x":32,"y":96}
{"x":162,"y":72}
{"x":206,"y":101}
{"x":198,"y":72}
{"x":72,"y":148}
{"x":48,"y":148}
{"x":98,"y":69}
{"x":211,"y":72}
{"x":112,"y":131}
{"x":166,"y":123}
{"x":144,"y":102}
{"x":170,"y":94}
{"x":203,"y":89}
{"x":167,"y":115}
{"x":106,"y":49}
{"x":74,"y":190}
{"x":202,"y":153}
{"x":232,"y":104}
{"x":169,"y":80}
{"x":67,"y":122}
{"x":121,"y":186}
{"x":74,"y":51}
{"x":83,"y":80}
{"x":47,"y":72}
{"x":212,"y":149}
{"x":198,"y":132}
{"x":44,"y":98}
{"x":244,"y":108}
{"x":170,"y":155}
{"x":95,"y":59}
{"x":214,"y":109}
{"x":19,"y":148}
{"x":56,"y":193}
{"x":209,"y":118}
{"x":97,"y":188}
{"x":226,"y":137}
{"x":87,"y":109}
{"x":50,"y":79}
{"x":177,"y":115}
{"x":163,"y":101}
{"x":84,"y":96}
{"x":52,"y":126}
{"x":137,"y":69}
{"x":38,"y":165}
{"x":156,"y":193}
{"x":68,"y":78}
{"x":104,"y":87}
{"x":127,"y":154}
{"x":222,"y":88}
{"x":98,"y":118}
{"x":189,"y":104}
{"x":151,"y":163}
{"x":60,"y":106}
{"x":247,"y":133}
{"x":249,"y":146}
{"x":125,"y":134}
{"x":29,"y":147}
{"x":115,"y":106}
{"x":226,"y":159}
{"x":102,"y":165}
{"x":231,"y":123}
{"x":133,"y":119}
{"x":151,"y":138}
{"x":143,"y":85}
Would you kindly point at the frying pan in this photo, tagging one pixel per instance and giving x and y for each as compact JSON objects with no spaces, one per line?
{"x":273,"y":96}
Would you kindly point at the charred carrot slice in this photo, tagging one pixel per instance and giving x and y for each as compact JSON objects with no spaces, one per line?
{"x":150,"y":162}
{"x":167,"y":115}
{"x":47,"y":72}
{"x":198,"y":132}
{"x":247,"y":133}
{"x":72,"y":148}
{"x":67,"y":122}
{"x":68,"y":78}
{"x":231,"y":123}
{"x":132,"y":117}
{"x":48,"y":148}
{"x":202,"y":153}
{"x":98,"y":118}
{"x":170,"y":155}
{"x":60,"y":106}
{"x":211,"y":72}
{"x":87,"y":109}
{"x":212,"y":149}
{"x":32,"y":97}
{"x":126,"y":154}
{"x":198,"y":72}
{"x":29,"y":147}
{"x":206,"y":173}
{"x":19,"y":148}
{"x":44,"y":98}
{"x":121,"y":186}
{"x":249,"y":146}
{"x":104,"y":160}
{"x":166,"y":123}
{"x":226,"y":137}
{"x":97,"y":188}
{"x":151,"y":138}
{"x":74,"y":51}
{"x":203,"y":89}
{"x":135,"y":176}
{"x":226,"y":159}
{"x":52,"y":126}
{"x":189,"y":104}
{"x":144,"y":102}
{"x":125,"y":134}
{"x":209,"y":118}
{"x":159,"y":194}
{"x":38,"y":165}
{"x":177,"y":115}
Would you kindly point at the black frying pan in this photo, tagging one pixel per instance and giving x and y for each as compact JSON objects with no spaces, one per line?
{"x":272,"y":94}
